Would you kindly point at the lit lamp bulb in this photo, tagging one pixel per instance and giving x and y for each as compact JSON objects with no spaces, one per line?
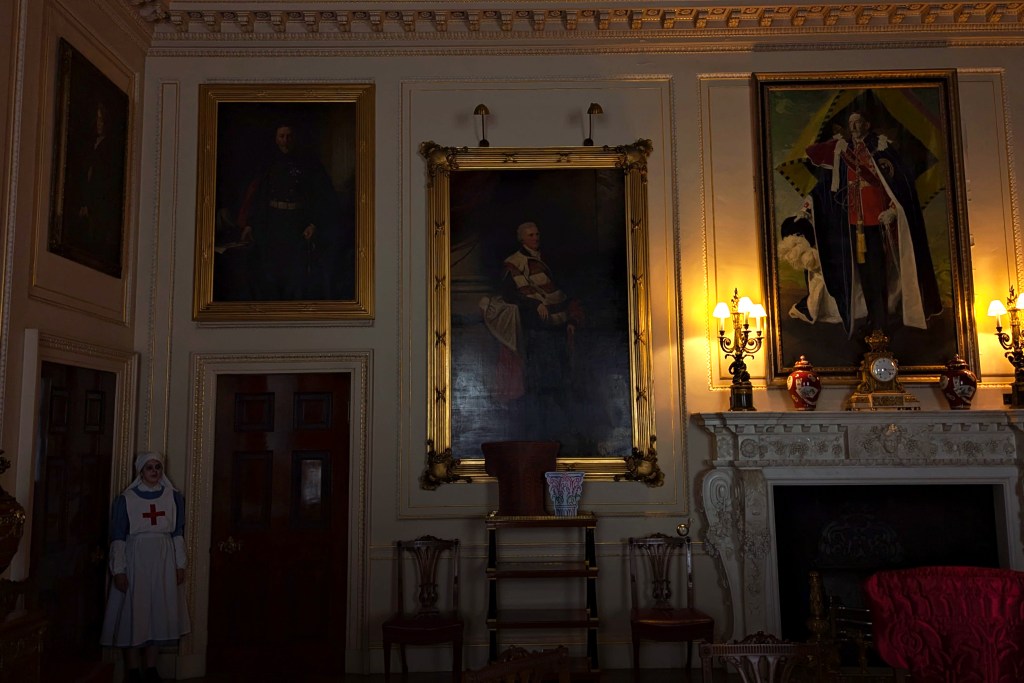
{"x":997,"y":310}
{"x":721,"y":312}
{"x":1020,"y":301}
{"x":743,"y":306}
{"x":757,"y":312}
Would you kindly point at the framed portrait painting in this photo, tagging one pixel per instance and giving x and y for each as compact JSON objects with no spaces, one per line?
{"x":90,"y":165}
{"x":539,"y":312}
{"x":864,"y":221}
{"x":284,"y":226}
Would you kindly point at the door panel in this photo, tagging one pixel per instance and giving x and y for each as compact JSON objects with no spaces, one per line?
{"x":280,"y":525}
{"x":71,"y":507}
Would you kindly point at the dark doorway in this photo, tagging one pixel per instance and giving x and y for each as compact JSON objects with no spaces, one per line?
{"x":848,"y":533}
{"x":278,"y":570}
{"x":71,"y":507}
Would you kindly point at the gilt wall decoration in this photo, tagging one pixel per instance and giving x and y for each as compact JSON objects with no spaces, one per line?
{"x":90,"y":162}
{"x":864,"y":221}
{"x":539,"y":309}
{"x":284,"y":227}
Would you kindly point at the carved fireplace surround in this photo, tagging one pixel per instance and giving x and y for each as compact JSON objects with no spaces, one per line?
{"x":755,"y":451}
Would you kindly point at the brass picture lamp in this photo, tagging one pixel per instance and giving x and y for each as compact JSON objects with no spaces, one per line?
{"x":595,"y":108}
{"x":483,"y":112}
{"x":742,"y":343}
{"x":1013,"y":343}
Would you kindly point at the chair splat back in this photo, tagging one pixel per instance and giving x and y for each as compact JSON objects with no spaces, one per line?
{"x":658,"y":549}
{"x":763,"y":658}
{"x":427,"y":550}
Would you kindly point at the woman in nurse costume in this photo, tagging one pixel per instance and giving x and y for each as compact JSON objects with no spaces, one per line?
{"x":146,"y":607}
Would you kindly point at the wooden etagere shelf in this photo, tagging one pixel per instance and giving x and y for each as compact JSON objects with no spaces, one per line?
{"x":585,"y":618}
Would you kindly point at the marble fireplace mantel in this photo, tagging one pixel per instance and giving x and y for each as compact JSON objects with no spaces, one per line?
{"x":754,"y":451}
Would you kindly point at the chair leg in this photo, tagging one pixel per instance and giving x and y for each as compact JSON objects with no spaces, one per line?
{"x":405,"y":664}
{"x":636,"y":655}
{"x":689,"y":654}
{"x":457,"y":661}
{"x":387,"y":661}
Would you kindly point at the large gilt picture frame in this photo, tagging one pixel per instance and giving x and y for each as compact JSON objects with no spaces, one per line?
{"x":511,"y":356}
{"x":864,"y":221}
{"x":285,"y":203}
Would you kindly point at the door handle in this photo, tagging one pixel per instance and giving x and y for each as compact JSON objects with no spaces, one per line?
{"x":97,"y":555}
{"x":230,"y":546}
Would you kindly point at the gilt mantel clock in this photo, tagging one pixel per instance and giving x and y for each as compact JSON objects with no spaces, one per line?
{"x":880,"y":387}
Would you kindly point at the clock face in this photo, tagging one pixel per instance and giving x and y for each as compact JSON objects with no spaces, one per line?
{"x":883,"y":369}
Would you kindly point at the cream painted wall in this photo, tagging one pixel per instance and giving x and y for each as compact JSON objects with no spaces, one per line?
{"x":29,"y":30}
{"x":702,"y":203}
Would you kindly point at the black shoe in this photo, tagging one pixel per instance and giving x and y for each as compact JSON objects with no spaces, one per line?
{"x":152,"y":676}
{"x":134,"y":676}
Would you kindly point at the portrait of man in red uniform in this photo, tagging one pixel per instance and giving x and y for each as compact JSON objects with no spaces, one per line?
{"x":863,"y":205}
{"x":870,"y":232}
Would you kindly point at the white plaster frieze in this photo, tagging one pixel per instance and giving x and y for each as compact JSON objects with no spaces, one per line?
{"x":861,"y":439}
{"x":230,"y":20}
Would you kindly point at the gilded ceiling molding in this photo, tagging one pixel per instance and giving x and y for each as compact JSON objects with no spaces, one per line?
{"x":398,"y":24}
{"x":631,"y":49}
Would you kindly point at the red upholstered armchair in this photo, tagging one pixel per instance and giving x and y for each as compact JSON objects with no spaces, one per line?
{"x":950,"y":624}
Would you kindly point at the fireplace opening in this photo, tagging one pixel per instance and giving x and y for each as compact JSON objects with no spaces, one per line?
{"x":850,"y":532}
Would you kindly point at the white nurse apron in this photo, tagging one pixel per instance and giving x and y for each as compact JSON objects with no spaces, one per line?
{"x":154,"y":607}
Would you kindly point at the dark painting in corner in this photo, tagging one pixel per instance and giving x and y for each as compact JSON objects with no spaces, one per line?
{"x":864,"y":220}
{"x":90,"y":161}
{"x":540,"y":310}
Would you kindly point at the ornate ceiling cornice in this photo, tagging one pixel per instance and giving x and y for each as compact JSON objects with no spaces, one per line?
{"x":186,"y":21}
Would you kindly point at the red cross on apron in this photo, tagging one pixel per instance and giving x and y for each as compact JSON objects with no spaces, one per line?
{"x":153,"y":514}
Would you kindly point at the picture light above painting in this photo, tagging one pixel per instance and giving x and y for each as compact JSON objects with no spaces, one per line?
{"x":284,"y":225}
{"x":538,"y":308}
{"x":864,"y":221}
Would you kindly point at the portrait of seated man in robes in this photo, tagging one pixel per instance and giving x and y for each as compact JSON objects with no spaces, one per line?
{"x":285,"y":218}
{"x":539,"y":305}
{"x":536,"y":323}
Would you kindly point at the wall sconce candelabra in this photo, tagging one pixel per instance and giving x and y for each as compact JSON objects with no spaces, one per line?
{"x":743,"y":343}
{"x":1013,"y":342}
{"x":595,"y":108}
{"x":483,"y":112}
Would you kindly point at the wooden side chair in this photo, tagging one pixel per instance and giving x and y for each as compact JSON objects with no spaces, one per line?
{"x":517,"y":665}
{"x":763,"y":658}
{"x":663,"y":623}
{"x":429,"y":625}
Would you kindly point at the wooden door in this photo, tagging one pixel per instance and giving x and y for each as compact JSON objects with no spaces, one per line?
{"x":71,"y":507}
{"x":278,"y":571}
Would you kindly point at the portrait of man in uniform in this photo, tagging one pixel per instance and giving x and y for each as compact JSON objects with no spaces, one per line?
{"x":864,"y":226}
{"x":285,"y":202}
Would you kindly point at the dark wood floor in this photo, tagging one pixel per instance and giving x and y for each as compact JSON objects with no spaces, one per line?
{"x":610,"y":676}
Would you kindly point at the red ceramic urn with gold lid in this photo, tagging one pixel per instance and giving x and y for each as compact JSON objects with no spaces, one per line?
{"x":958,"y":384}
{"x":804,"y":385}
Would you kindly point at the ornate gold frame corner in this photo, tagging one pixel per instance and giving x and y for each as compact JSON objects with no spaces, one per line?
{"x":204,"y":308}
{"x":441,"y":162}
